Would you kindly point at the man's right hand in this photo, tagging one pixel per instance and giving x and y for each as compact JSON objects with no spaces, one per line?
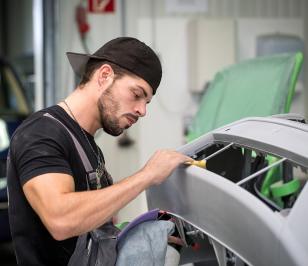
{"x":162,"y":163}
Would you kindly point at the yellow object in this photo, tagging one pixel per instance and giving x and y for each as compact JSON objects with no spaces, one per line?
{"x":201,"y":163}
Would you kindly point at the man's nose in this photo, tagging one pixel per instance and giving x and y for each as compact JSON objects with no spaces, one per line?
{"x":141,"y":109}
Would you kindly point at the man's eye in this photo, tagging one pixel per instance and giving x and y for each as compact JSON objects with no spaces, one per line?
{"x":137,"y":96}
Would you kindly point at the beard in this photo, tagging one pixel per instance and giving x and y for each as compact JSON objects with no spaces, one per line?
{"x":108,"y":107}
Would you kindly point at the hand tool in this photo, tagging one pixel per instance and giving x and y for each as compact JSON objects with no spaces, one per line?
{"x":201,"y":163}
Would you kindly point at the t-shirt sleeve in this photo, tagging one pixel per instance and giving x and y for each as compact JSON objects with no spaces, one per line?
{"x":41,"y":148}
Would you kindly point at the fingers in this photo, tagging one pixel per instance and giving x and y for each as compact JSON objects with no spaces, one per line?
{"x":168,"y":159}
{"x":163,"y":163}
{"x":175,"y":240}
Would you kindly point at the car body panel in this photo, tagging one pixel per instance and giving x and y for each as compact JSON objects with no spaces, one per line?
{"x":229,"y":214}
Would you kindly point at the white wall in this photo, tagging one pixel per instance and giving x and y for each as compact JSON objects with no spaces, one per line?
{"x":249,"y":29}
{"x":211,"y":48}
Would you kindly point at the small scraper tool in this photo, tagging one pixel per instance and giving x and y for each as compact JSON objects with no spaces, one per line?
{"x":201,"y":163}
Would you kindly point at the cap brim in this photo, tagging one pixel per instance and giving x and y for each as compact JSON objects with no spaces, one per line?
{"x":78,"y":62}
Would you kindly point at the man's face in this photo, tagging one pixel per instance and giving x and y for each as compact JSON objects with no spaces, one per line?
{"x":122,"y":103}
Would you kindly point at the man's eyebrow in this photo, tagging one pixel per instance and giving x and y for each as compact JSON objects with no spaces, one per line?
{"x":144,"y":92}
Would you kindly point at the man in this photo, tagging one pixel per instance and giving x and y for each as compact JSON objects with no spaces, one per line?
{"x":49,"y":205}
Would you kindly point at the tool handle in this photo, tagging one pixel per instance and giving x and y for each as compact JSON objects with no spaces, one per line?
{"x":201,"y":163}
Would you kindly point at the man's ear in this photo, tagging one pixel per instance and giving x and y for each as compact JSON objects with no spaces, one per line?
{"x":104,"y":73}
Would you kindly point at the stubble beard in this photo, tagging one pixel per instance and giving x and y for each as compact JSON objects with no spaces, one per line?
{"x":108,"y":108}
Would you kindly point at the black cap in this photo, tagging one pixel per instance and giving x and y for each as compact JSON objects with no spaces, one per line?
{"x":126,"y":52}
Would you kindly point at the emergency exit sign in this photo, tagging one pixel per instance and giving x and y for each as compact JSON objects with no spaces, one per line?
{"x":101,"y":6}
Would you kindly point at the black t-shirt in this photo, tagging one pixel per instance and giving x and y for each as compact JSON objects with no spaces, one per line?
{"x":39,"y":146}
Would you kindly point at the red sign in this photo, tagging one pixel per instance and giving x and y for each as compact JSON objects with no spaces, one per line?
{"x":101,"y":6}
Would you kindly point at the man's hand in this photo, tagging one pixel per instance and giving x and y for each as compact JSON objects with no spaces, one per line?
{"x":162,"y":163}
{"x":175,"y":240}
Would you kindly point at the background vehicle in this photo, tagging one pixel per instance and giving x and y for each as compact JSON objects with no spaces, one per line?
{"x":14,"y":108}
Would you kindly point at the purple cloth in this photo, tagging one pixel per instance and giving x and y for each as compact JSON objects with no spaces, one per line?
{"x":148,"y":216}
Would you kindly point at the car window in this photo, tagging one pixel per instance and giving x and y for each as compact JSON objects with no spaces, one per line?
{"x":12,"y":98}
{"x":4,"y":136}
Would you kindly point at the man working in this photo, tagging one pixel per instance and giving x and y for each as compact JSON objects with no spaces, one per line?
{"x":49,"y":205}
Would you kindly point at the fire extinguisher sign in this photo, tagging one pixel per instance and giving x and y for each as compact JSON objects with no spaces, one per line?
{"x":101,"y":6}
